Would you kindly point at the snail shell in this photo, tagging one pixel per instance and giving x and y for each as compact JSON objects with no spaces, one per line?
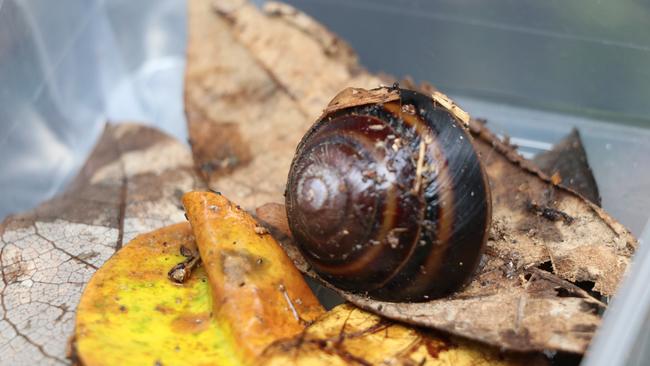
{"x":388,"y":198}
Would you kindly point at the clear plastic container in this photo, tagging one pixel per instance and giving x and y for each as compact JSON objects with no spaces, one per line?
{"x":68,"y":68}
{"x":533,"y":69}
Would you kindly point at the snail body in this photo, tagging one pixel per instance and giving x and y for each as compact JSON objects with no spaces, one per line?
{"x":388,"y":198}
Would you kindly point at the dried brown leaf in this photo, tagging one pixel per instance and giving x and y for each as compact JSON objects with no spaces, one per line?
{"x":567,"y":163}
{"x":263,"y":78}
{"x":131,"y":184}
{"x":526,"y":295}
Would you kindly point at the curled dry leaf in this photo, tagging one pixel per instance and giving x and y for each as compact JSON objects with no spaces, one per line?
{"x":567,"y":162}
{"x":130,"y":184}
{"x":271,"y":75}
{"x":259,"y":296}
{"x":347,"y":335}
{"x":525,"y":295}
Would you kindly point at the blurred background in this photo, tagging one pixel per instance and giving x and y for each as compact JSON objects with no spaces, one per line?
{"x":534,"y":69}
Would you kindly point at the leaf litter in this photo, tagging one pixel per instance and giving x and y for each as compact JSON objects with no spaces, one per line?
{"x":542,"y":281}
{"x":130,"y":184}
{"x":541,"y":284}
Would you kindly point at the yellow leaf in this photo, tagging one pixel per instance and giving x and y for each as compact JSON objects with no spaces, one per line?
{"x":251,"y":295}
{"x":347,"y":335}
{"x":250,"y":306}
{"x":131,"y":314}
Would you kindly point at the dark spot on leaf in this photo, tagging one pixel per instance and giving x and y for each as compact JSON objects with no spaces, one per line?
{"x":589,"y":287}
{"x":435,"y":347}
{"x":584,"y":328}
{"x":535,"y":226}
{"x":237,"y":265}
{"x":566,"y":359}
{"x":590,"y":307}
{"x":218,"y":148}
{"x":186,"y":252}
{"x":520,"y":339}
{"x":163,"y":309}
{"x":178,"y":194}
{"x":13,"y":271}
{"x":563,"y":292}
{"x":87,"y":255}
{"x":546,"y":266}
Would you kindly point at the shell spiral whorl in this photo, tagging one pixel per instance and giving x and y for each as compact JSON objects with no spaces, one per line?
{"x":390,"y":199}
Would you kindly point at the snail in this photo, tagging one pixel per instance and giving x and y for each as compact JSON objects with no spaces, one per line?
{"x":386,"y":196}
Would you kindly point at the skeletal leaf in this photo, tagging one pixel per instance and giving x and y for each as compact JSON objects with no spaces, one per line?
{"x":347,"y":335}
{"x":130,"y":184}
{"x":259,"y":295}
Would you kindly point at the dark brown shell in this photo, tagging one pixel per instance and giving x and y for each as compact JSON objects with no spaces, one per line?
{"x":389,"y":199}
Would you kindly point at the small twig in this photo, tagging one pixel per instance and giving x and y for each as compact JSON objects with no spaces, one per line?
{"x":291,"y":306}
{"x":521,"y":305}
{"x":182,"y":271}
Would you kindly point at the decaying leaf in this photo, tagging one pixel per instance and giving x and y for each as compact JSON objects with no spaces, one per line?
{"x":130,"y":184}
{"x":259,"y":296}
{"x":525,"y":295}
{"x":347,"y":335}
{"x":567,"y":161}
{"x":131,"y":314}
{"x":256,"y":82}
{"x":246,"y":295}
{"x":260,"y":80}
{"x":551,"y":254}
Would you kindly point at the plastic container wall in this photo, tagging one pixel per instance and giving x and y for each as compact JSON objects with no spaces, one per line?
{"x":66,"y":68}
{"x":534,"y":69}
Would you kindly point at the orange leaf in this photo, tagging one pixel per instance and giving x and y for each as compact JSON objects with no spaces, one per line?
{"x":258,"y":292}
